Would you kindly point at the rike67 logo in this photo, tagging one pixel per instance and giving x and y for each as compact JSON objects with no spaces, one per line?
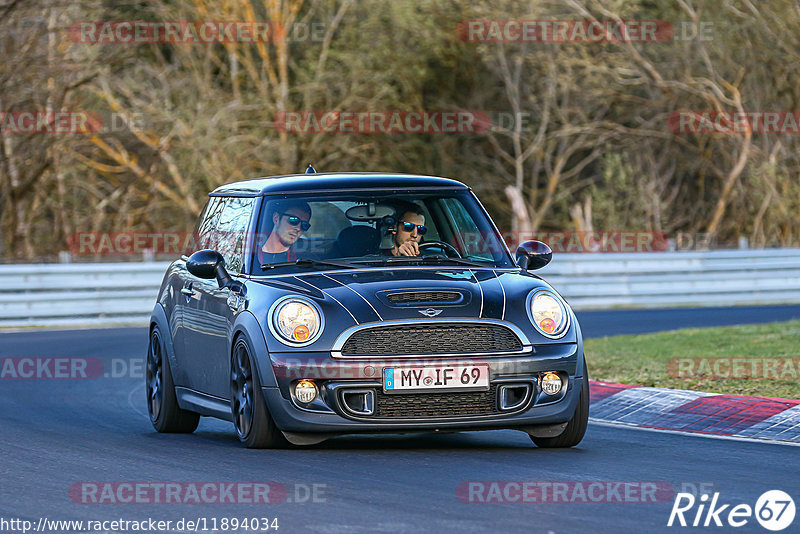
{"x":774,"y":510}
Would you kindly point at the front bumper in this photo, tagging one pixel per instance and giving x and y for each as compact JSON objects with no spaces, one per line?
{"x":329,"y":415}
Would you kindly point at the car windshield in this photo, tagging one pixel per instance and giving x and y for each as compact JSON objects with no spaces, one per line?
{"x":357,"y":229}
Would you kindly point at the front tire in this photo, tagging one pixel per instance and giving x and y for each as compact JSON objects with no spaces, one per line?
{"x":576,"y":427}
{"x":162,"y":404}
{"x":254,"y":425}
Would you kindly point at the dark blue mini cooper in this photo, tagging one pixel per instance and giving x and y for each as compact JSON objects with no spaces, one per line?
{"x":326,"y":304}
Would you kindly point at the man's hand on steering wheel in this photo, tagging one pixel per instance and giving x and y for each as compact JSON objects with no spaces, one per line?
{"x":409,"y":248}
{"x":446,"y":247}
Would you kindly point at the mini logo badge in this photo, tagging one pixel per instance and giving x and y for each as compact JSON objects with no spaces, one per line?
{"x":430,"y":312}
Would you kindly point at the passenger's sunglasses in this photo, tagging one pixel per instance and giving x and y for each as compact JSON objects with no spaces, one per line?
{"x":409,"y":227}
{"x":294,"y":220}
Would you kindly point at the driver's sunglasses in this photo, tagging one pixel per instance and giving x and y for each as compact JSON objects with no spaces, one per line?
{"x":409,"y":227}
{"x":294,"y":220}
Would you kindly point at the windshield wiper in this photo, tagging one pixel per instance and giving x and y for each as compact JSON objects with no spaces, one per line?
{"x":434,"y":259}
{"x":305,"y":262}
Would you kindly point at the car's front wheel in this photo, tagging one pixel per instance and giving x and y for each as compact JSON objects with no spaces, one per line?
{"x":576,"y":427}
{"x":254,"y":425}
{"x":162,"y":405}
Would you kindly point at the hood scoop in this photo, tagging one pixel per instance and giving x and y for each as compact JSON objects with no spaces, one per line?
{"x":424,"y":297}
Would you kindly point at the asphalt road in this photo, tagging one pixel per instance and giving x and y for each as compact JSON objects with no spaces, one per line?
{"x":57,"y":434}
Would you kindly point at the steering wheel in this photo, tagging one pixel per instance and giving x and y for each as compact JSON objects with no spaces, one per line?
{"x":446,"y":247}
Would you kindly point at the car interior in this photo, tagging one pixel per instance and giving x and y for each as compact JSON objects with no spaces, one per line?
{"x":351,"y":229}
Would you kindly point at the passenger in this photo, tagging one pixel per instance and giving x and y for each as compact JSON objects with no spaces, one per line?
{"x":289,"y":221}
{"x":410,"y":229}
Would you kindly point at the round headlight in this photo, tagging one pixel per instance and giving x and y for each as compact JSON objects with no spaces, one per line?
{"x":549,"y":314}
{"x":296,"y":321}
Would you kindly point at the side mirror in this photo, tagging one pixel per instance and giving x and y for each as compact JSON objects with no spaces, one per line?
{"x":209,"y":264}
{"x":532,"y":255}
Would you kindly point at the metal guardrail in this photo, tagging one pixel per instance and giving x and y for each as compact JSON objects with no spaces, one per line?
{"x":662,"y":279}
{"x":124,"y":293}
{"x":79,"y":293}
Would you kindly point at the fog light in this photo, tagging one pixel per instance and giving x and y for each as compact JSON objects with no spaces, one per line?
{"x":305,"y":391}
{"x":551,"y":383}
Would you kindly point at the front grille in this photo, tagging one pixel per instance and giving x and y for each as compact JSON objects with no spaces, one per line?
{"x":443,"y":338}
{"x":432,"y":297}
{"x":407,"y":405}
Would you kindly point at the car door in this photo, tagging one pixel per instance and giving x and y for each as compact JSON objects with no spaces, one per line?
{"x":211,"y":310}
{"x":182,"y":292}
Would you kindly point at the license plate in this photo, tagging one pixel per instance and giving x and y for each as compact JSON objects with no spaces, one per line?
{"x":436,"y":378}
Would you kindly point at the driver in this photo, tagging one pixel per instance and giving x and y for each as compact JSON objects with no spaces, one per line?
{"x":410,"y":229}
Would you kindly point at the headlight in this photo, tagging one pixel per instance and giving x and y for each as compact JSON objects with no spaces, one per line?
{"x":549,"y":314}
{"x":296,"y":321}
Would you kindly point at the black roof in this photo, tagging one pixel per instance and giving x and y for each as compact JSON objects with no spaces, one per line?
{"x":333,"y":181}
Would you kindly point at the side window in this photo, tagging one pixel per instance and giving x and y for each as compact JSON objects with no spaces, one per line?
{"x":230,"y":230}
{"x":204,"y":231}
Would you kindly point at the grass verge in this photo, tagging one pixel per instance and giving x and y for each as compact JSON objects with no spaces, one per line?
{"x":761,"y":360}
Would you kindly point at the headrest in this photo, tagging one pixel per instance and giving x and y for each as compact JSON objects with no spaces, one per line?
{"x":358,"y":240}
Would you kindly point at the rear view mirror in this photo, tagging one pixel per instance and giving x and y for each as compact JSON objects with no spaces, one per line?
{"x":204,"y":263}
{"x":209,"y":264}
{"x":532,"y":255}
{"x":369,"y":212}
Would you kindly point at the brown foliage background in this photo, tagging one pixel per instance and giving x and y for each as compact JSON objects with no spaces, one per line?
{"x":579,"y":137}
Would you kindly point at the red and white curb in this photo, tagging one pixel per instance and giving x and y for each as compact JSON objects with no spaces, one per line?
{"x":696,"y":411}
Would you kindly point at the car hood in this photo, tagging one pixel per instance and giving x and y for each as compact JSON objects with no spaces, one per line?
{"x":349,"y":299}
{"x":386,"y":295}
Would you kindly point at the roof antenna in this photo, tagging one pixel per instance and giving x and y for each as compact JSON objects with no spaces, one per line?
{"x":311,"y":170}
